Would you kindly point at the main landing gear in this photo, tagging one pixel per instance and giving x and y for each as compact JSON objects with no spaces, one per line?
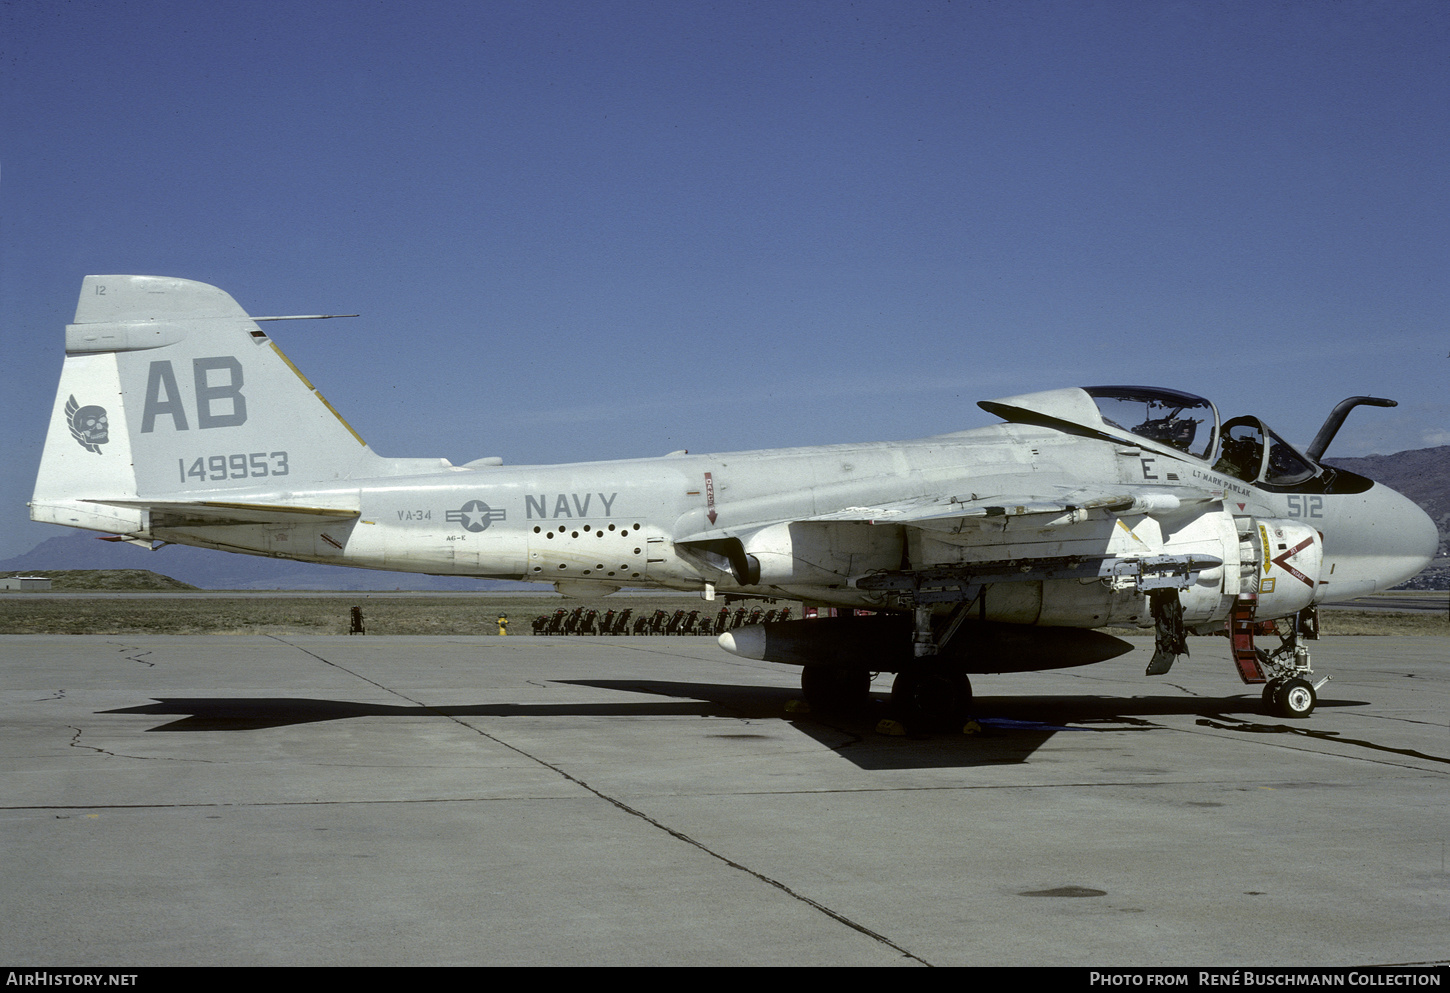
{"x":931,"y":697}
{"x":827,"y":688}
{"x":930,"y":693}
{"x":927,"y":697}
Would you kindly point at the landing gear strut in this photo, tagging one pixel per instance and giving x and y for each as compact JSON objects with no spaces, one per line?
{"x":933,"y":695}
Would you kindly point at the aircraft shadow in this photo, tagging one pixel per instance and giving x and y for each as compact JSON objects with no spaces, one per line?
{"x":1011,"y":728}
{"x":258,"y":713}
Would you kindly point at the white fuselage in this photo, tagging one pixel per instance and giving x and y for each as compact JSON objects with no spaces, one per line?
{"x":605,"y":525}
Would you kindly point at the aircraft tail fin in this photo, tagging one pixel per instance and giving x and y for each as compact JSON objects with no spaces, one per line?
{"x":170,"y":392}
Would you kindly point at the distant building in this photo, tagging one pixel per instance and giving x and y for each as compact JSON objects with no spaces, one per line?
{"x":24,"y":583}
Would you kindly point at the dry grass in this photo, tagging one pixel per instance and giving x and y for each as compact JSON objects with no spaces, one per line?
{"x":1332,"y":622}
{"x":261,"y":613}
{"x":445,"y":614}
{"x":241,"y":615}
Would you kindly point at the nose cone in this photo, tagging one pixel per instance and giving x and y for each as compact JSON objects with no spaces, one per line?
{"x":1372,"y":541}
{"x":1406,"y":536}
{"x":747,"y":642}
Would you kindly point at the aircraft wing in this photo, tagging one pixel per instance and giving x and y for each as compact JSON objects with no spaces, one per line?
{"x":210,"y":513}
{"x":951,"y":513}
{"x":959,"y":520}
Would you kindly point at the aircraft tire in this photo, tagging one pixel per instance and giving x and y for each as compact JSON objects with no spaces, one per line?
{"x":1296,"y":698}
{"x":931,"y":699}
{"x":1271,"y":696}
{"x":829,"y":688}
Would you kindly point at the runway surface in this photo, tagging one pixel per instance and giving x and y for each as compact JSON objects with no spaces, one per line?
{"x":650,"y":801}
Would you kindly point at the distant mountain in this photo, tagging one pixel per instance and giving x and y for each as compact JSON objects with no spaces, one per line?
{"x":110,"y":579}
{"x":212,"y":570}
{"x":1422,"y":474}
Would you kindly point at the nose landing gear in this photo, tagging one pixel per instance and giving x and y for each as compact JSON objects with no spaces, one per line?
{"x":1286,"y":671}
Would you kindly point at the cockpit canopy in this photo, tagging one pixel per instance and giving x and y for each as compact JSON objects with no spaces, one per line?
{"x":1178,"y":420}
{"x":1165,"y":417}
{"x":1254,"y":453}
{"x":1188,"y":423}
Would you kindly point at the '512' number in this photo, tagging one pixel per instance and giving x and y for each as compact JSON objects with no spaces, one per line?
{"x":1305,"y":506}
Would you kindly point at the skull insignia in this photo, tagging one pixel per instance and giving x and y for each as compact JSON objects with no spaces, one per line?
{"x":88,"y":425}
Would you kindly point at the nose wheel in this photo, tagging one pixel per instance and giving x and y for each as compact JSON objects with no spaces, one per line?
{"x":1293,"y":697}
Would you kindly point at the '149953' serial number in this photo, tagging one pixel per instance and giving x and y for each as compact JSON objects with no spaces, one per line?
{"x":212,"y":468}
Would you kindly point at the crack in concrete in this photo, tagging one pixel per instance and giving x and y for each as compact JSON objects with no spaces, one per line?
{"x":139,"y":657}
{"x":1251,"y":727}
{"x":631,"y":811}
{"x":75,"y":742}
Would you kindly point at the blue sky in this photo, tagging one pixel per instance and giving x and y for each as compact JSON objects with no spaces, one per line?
{"x":617,"y":229}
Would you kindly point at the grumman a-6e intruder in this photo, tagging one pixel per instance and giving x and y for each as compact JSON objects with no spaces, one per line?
{"x":998,"y":549}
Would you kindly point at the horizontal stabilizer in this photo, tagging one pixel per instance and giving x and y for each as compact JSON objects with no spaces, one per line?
{"x":173,"y":514}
